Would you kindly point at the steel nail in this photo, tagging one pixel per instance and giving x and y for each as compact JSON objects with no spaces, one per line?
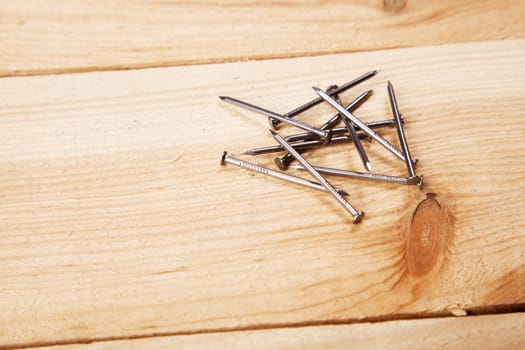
{"x":401,"y":133}
{"x":365,"y":176}
{"x":341,"y":130}
{"x":339,"y":90}
{"x":323,"y":134}
{"x":226,"y":159}
{"x":355,"y":139}
{"x":301,"y":145}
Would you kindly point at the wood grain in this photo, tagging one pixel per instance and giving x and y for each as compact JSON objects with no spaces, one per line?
{"x":57,"y":36}
{"x":117,"y":219}
{"x":474,"y":332}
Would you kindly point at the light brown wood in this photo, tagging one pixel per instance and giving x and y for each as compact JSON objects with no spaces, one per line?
{"x":474,"y":332}
{"x":117,"y":219}
{"x":39,"y":37}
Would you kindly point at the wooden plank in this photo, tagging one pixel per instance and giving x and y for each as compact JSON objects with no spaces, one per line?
{"x":118,"y":221}
{"x":503,"y":331}
{"x":40,"y":37}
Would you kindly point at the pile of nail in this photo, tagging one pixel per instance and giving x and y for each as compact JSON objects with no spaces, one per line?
{"x":353,"y":131}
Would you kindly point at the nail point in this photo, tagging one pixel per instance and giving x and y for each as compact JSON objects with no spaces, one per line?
{"x":368,"y":166}
{"x":272,"y":123}
{"x":415,"y":180}
{"x":420,"y":183}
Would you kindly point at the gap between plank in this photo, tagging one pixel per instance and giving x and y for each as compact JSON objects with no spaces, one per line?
{"x":476,"y":311}
{"x":116,"y":67}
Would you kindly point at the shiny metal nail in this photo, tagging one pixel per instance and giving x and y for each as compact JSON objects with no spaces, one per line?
{"x":339,"y":90}
{"x":226,"y":159}
{"x":302,"y":145}
{"x":401,"y":133}
{"x":323,"y":134}
{"x":342,"y":130}
{"x":355,"y":139}
{"x":365,"y":176}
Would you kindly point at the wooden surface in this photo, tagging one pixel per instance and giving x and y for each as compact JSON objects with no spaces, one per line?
{"x":38,"y":37}
{"x":118,"y":221}
{"x":476,"y":332}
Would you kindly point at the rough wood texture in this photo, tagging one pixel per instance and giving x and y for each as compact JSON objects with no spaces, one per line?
{"x":118,"y":221}
{"x":475,"y":332}
{"x":38,"y":37}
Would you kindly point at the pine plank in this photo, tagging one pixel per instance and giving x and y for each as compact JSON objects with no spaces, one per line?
{"x":503,"y":331}
{"x":117,"y":219}
{"x":57,"y":36}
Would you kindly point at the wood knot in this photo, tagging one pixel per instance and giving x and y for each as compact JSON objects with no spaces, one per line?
{"x":429,"y":236}
{"x":394,"y":5}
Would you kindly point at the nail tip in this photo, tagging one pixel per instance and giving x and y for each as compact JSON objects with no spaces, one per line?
{"x":420,"y":183}
{"x":273,"y":123}
{"x":368,"y":166}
